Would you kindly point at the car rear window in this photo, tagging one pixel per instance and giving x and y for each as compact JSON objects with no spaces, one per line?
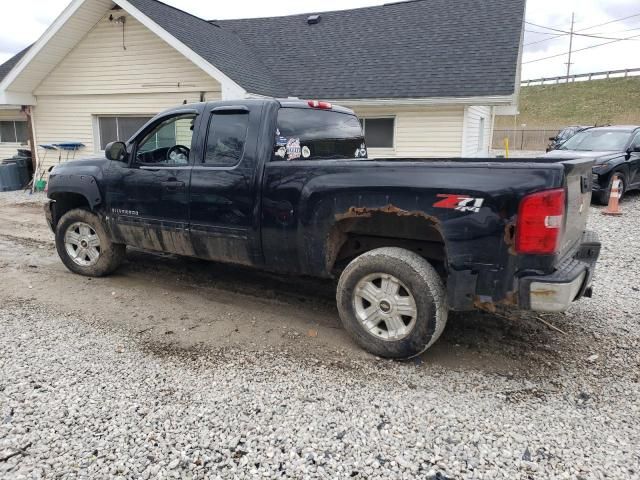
{"x":309,"y":134}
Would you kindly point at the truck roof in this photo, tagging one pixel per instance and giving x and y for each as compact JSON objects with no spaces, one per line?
{"x":282,"y":102}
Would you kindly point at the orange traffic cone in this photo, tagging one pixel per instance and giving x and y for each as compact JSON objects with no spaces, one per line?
{"x":614,"y":198}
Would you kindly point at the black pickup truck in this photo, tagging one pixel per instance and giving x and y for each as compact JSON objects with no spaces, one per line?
{"x":287,"y":185}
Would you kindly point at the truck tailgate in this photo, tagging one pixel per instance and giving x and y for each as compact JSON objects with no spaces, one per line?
{"x":578,"y":185}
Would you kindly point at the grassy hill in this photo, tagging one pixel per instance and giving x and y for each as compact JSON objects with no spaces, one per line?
{"x":614,"y":101}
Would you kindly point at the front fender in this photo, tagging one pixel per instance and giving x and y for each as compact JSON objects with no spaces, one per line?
{"x":84,"y":185}
{"x":614,"y":164}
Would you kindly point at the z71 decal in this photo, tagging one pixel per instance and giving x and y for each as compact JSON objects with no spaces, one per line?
{"x":462,"y":203}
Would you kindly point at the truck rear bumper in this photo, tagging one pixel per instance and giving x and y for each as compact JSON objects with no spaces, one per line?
{"x":571,"y":280}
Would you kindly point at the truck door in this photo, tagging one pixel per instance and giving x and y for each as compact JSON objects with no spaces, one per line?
{"x":148,"y":198}
{"x":224,"y":194}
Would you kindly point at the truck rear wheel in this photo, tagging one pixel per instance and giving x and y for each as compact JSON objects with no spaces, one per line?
{"x":392,"y":302}
{"x":84,"y":247}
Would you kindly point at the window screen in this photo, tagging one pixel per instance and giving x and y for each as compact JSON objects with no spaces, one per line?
{"x":226,"y":139}
{"x":127,"y":126}
{"x":119,"y":128}
{"x":308,"y":134}
{"x":22,"y":132}
{"x":7,"y":132}
{"x":378,"y":132}
{"x":481,"y":134}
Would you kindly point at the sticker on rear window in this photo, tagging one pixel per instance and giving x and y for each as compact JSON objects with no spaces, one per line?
{"x":293,"y":149}
{"x":281,"y":152}
{"x":461,"y":203}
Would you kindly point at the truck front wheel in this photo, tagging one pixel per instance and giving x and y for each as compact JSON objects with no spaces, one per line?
{"x":392,"y":302}
{"x":84,"y":247}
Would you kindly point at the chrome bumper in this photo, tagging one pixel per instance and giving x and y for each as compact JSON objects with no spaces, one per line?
{"x":571,"y":280}
{"x":554,"y":297}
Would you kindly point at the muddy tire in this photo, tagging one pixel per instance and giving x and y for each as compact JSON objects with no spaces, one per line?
{"x":84,"y":246}
{"x":602,"y":197}
{"x":392,"y":302}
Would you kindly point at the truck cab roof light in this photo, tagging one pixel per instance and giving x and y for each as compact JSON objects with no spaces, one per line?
{"x":319,"y":104}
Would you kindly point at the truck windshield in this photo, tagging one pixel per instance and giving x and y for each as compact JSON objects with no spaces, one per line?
{"x":597,"y":141}
{"x":309,"y":134}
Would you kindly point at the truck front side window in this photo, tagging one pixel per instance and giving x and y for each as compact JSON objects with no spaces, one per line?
{"x":168,"y":143}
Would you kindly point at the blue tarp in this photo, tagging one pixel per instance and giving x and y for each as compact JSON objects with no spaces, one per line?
{"x":69,"y":146}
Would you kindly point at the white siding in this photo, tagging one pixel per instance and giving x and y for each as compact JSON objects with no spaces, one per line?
{"x":76,"y":25}
{"x":9,"y":149}
{"x":420,"y":132}
{"x":473,"y":145}
{"x":99,"y":77}
{"x":100,"y":65}
{"x":72,"y":117}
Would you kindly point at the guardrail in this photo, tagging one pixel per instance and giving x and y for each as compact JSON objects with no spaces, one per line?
{"x":627,"y":72}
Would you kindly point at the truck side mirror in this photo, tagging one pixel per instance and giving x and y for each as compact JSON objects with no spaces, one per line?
{"x":116,"y":151}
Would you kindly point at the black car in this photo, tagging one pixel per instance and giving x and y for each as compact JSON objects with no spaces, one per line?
{"x":564,"y":135}
{"x":616,"y":151}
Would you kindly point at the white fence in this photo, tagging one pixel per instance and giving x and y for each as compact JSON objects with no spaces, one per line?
{"x":582,"y":77}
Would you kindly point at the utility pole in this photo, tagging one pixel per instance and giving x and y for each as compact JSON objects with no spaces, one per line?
{"x":570,"y":46}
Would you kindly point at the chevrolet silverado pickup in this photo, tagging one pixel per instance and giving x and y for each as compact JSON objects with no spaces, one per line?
{"x":288,"y":186}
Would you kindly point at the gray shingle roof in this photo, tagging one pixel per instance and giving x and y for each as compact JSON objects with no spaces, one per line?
{"x":219,"y":46}
{"x":6,"y":67}
{"x":413,"y":49}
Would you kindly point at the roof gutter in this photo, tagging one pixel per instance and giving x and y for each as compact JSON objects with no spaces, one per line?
{"x":13,"y":98}
{"x":433,"y":101}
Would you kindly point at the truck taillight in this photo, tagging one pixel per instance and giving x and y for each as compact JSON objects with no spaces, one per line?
{"x":319,"y":104}
{"x":540,"y":220}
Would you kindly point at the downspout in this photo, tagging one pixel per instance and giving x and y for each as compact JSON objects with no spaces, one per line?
{"x":28,"y":111}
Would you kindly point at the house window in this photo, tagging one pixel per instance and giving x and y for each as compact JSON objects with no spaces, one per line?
{"x":481,"y":134}
{"x":119,"y":129}
{"x":13,"y":132}
{"x":379,"y":132}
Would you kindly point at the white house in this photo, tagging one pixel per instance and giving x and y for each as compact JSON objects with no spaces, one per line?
{"x":426,"y":76}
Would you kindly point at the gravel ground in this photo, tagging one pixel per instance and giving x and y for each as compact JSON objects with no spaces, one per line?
{"x":83,"y":399}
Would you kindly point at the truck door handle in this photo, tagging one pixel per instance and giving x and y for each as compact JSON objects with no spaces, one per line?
{"x":173,"y":186}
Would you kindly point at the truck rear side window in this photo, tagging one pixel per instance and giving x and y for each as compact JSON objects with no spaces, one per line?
{"x":308,"y":134}
{"x":226,"y":139}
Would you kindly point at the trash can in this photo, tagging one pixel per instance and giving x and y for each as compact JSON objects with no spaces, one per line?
{"x":22,"y":164}
{"x":9,"y":177}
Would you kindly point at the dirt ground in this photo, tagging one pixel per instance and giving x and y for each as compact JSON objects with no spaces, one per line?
{"x":176,"y":304}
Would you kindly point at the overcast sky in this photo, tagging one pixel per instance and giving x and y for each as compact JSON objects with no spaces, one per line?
{"x":29,"y":18}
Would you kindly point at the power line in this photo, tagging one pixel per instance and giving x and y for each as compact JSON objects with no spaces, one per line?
{"x":565,"y":32}
{"x":612,"y":21}
{"x":617,"y":31}
{"x":586,"y":28}
{"x":541,"y":33}
{"x":581,"y":49}
{"x":547,"y":28}
{"x":546,"y":39}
